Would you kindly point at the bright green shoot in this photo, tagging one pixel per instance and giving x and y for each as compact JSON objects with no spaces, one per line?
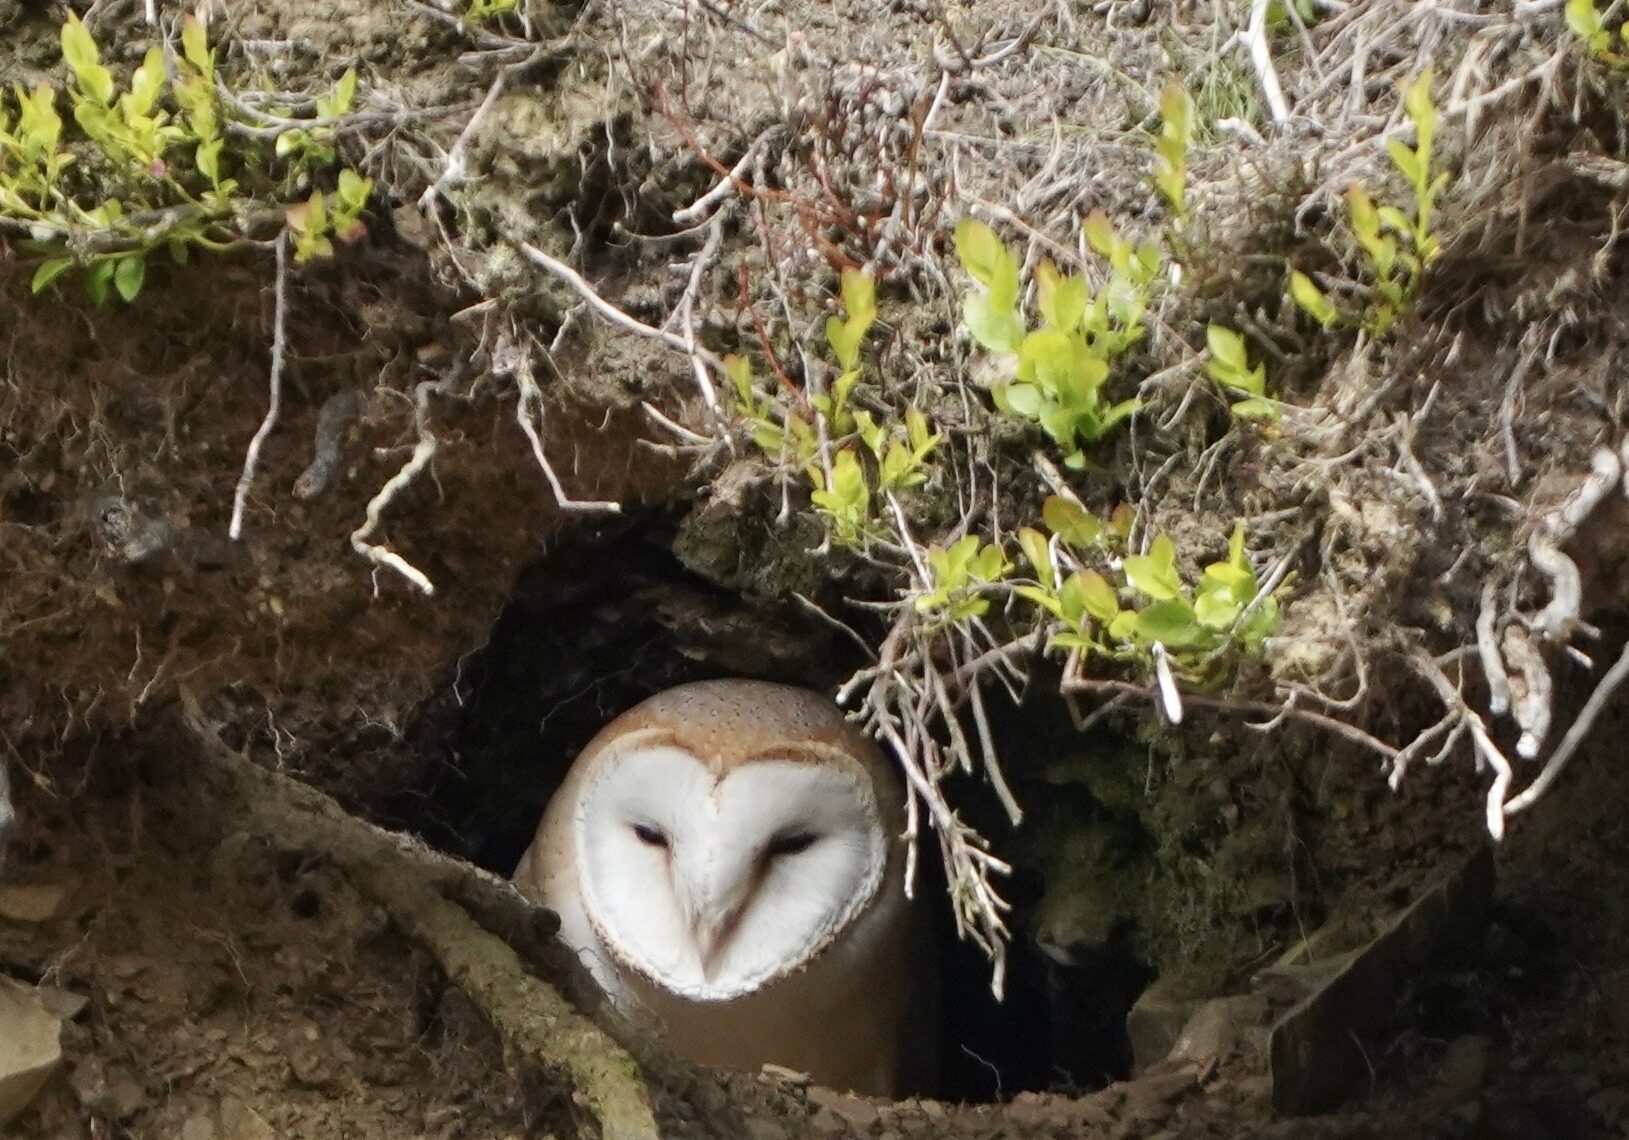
{"x":1171,"y":149}
{"x":153,"y":148}
{"x":1396,"y":243}
{"x":958,"y":575}
{"x":1057,"y":372}
{"x":1585,"y":21}
{"x":1229,"y":366}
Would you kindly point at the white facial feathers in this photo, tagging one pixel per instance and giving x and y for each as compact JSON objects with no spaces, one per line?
{"x":711,"y":883}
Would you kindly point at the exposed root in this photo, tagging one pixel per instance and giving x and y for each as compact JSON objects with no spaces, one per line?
{"x":418,"y":888}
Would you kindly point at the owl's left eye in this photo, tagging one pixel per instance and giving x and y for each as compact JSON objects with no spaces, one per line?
{"x":790,"y":843}
{"x":650,"y":836}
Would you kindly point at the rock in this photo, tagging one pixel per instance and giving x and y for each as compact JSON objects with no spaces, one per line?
{"x":1151,"y":1098}
{"x":1154,"y":1024}
{"x":1464,"y":1068}
{"x":30,"y":1047}
{"x":32,"y":902}
{"x":1318,"y":1052}
{"x":1221,"y":1026}
{"x":199,"y":1126}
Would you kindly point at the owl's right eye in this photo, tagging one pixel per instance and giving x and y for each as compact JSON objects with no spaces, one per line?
{"x":650,"y":836}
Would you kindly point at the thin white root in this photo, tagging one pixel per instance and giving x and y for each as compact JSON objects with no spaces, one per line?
{"x":378,"y":553}
{"x":251,"y":457}
{"x":1487,"y":649}
{"x":1615,"y":677}
{"x":1556,"y":620}
{"x":454,"y":170}
{"x":530,"y":397}
{"x":1487,"y":751}
{"x":1530,"y":701}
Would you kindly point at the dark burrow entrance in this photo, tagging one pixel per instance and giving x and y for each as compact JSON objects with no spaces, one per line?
{"x":612,"y":618}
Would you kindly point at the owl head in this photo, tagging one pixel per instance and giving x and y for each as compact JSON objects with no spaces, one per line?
{"x":725,"y":834}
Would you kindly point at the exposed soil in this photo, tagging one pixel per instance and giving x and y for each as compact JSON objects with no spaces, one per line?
{"x":238,"y":984}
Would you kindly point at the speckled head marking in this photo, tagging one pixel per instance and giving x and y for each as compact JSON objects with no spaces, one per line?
{"x":725,"y":832}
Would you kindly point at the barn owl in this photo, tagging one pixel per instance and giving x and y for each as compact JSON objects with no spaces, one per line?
{"x":726,"y":860}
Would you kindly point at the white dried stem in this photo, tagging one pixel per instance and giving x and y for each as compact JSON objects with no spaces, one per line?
{"x":251,"y":457}
{"x":378,"y":553}
{"x":1261,"y":58}
{"x":727,"y":185}
{"x":453,"y":171}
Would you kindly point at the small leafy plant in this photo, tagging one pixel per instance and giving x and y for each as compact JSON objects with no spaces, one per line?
{"x":1586,"y":22}
{"x":958,"y":576}
{"x":869,"y":459}
{"x":1057,"y":371}
{"x":483,"y":11}
{"x":1122,"y":606}
{"x":1397,"y":243}
{"x":1229,"y":366}
{"x":146,"y":166}
{"x":1171,"y":150}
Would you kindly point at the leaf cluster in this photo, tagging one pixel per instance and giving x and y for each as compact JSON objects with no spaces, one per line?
{"x":1057,"y":371}
{"x":146,"y":165}
{"x":868,"y":458}
{"x":1099,"y":601}
{"x":1585,"y":21}
{"x":1396,"y":242}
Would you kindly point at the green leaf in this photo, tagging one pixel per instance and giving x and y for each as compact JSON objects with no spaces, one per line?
{"x":1583,"y":18}
{"x":99,"y":280}
{"x":1042,"y":597}
{"x":1256,"y":409}
{"x":1311,"y":299}
{"x":1155,"y":573}
{"x":1062,"y":300}
{"x":79,"y":52}
{"x":1216,"y":611}
{"x":1039,"y":555}
{"x":986,"y":257}
{"x":1406,"y":161}
{"x":1099,"y":597}
{"x":195,"y":45}
{"x":1417,"y":103}
{"x":1176,"y":109}
{"x":1171,"y":623}
{"x":989,"y":564}
{"x":129,"y":275}
{"x":1226,"y":346}
{"x":145,"y":84}
{"x":344,"y":93}
{"x":1071,"y":522}
{"x":1099,"y":232}
{"x":997,"y":328}
{"x":1365,"y":219}
{"x":48,"y":272}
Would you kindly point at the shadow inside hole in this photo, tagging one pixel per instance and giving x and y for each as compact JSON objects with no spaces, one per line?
{"x":599,"y":625}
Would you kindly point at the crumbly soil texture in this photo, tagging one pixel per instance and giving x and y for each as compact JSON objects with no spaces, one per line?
{"x":534,"y":503}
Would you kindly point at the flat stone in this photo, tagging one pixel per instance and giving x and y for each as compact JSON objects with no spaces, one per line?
{"x":1154,"y":1024}
{"x":30,"y":1047}
{"x":1318,"y":1051}
{"x":32,"y":902}
{"x":1220,"y":1026}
